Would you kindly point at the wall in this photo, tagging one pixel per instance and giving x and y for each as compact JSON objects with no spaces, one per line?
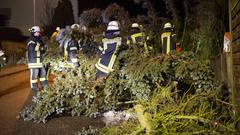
{"x":235,"y":32}
{"x":22,"y":12}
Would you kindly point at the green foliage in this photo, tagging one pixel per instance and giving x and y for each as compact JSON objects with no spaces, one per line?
{"x":202,"y":113}
{"x":135,"y":78}
{"x":14,"y":51}
{"x":199,"y":27}
{"x":91,"y":18}
{"x":116,"y":12}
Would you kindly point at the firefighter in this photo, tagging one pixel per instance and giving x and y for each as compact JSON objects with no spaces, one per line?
{"x":110,"y":46}
{"x":137,"y":36}
{"x":35,"y":48}
{"x":70,"y":50}
{"x":55,"y":33}
{"x":168,"y":39}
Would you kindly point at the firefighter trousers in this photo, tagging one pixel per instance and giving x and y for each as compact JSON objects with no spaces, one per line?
{"x":35,"y":74}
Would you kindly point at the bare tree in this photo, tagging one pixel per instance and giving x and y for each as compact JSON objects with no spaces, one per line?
{"x":47,"y":16}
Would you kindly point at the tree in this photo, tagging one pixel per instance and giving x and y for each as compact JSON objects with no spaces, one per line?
{"x":91,"y":18}
{"x":202,"y":27}
{"x":47,"y":17}
{"x":116,"y":12}
{"x":63,"y":14}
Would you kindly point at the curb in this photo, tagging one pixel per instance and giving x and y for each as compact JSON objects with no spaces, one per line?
{"x":14,"y":88}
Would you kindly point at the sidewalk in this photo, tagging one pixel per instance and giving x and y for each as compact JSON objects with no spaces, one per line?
{"x":12,"y":77}
{"x":13,"y":69}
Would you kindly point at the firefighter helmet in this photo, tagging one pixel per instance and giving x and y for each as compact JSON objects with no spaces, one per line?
{"x":75,"y":26}
{"x":35,"y":29}
{"x":135,"y":25}
{"x":113,"y":25}
{"x":167,"y":25}
{"x":57,"y":28}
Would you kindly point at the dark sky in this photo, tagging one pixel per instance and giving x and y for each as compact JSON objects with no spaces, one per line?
{"x":129,"y":5}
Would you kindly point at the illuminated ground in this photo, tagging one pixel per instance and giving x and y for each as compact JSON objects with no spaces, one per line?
{"x":16,"y":94}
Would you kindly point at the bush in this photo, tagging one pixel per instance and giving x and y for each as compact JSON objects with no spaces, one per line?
{"x":116,"y":12}
{"x":14,"y":51}
{"x":91,"y":18}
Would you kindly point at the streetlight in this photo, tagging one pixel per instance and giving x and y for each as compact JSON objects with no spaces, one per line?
{"x":34,"y":12}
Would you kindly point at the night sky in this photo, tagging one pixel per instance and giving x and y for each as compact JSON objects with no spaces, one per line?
{"x":129,"y":5}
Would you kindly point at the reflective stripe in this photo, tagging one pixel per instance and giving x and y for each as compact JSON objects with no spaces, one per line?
{"x":30,"y":42}
{"x":104,"y":67}
{"x":168,"y":45}
{"x":37,"y":47}
{"x":104,"y":70}
{"x":100,"y":48}
{"x":35,"y":65}
{"x":113,"y":58}
{"x":128,"y":42}
{"x":42,"y":79}
{"x":74,"y":60}
{"x":110,"y":41}
{"x":134,"y":36}
{"x":38,"y":56}
{"x":31,"y":77}
{"x":33,"y":81}
{"x":65,"y":50}
{"x":73,"y":48}
{"x":105,"y":46}
{"x":167,"y":35}
{"x":67,"y":65}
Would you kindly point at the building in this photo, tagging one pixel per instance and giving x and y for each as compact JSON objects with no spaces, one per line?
{"x":23,"y":14}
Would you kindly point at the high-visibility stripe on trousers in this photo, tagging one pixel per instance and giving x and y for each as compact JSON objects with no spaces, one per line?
{"x":35,"y":74}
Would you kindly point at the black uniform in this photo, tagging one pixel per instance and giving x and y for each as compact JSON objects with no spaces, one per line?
{"x":168,"y":41}
{"x":111,"y":44}
{"x":70,"y":51}
{"x":35,"y":49}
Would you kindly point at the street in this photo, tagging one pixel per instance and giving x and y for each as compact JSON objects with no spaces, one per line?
{"x":14,"y":94}
{"x":10,"y":105}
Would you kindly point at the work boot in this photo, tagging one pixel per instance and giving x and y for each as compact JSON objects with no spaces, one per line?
{"x":35,"y":91}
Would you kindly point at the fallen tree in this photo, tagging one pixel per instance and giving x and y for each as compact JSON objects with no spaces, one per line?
{"x":174,"y":90}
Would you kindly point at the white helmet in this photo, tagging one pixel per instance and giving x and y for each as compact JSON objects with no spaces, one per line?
{"x":75,"y":26}
{"x":135,"y":25}
{"x":1,"y":53}
{"x":167,"y":25}
{"x":58,"y":29}
{"x":113,"y":25}
{"x":84,"y":28}
{"x":35,"y":29}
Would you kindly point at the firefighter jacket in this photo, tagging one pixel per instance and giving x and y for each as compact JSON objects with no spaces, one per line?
{"x":61,"y":38}
{"x":111,"y":45}
{"x":136,"y":37}
{"x":35,"y":52}
{"x":70,"y":51}
{"x":168,"y":41}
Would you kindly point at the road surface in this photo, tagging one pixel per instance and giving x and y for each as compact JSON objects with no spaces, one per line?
{"x":10,"y":105}
{"x":15,"y":93}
